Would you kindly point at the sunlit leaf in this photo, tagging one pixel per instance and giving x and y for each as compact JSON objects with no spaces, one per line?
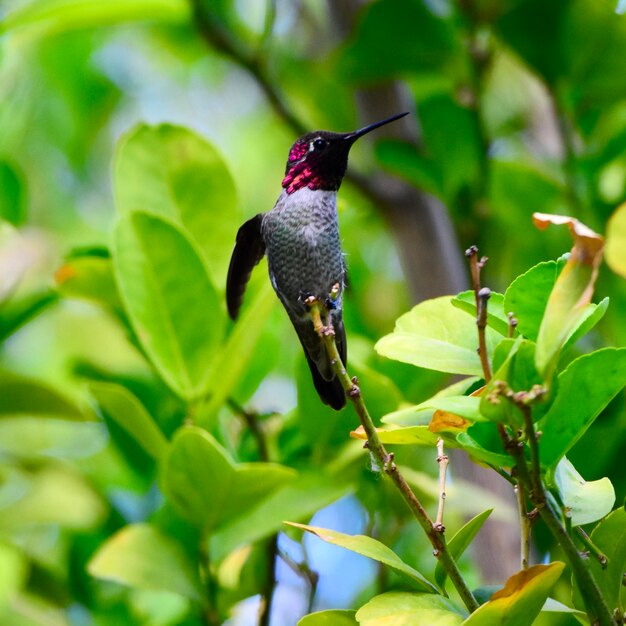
{"x":207,"y":487}
{"x":586,"y":502}
{"x":141,"y":556}
{"x":521,"y":598}
{"x":527,"y":296}
{"x":170,"y":300}
{"x":62,"y":15}
{"x":572,"y":290}
{"x":412,"y":435}
{"x":437,"y":336}
{"x":50,"y":495}
{"x":460,"y":542}
{"x":89,"y":278}
{"x":329,"y":618}
{"x":408,"y":609}
{"x":584,"y":389}
{"x":616,"y":241}
{"x":189,"y":184}
{"x":369,"y":547}
{"x":13,"y":571}
{"x":421,"y":414}
{"x":497,"y":317}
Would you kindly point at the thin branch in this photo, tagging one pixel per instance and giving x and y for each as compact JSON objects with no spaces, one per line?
{"x":524,"y":523}
{"x":384,"y":459}
{"x":442,"y":460}
{"x":481,"y":296}
{"x":592,"y":595}
{"x":223,"y":41}
{"x":267,"y":593}
{"x":591,"y":547}
{"x":302,"y":569}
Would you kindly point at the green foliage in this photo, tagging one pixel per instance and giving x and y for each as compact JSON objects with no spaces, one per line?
{"x":151,"y":450}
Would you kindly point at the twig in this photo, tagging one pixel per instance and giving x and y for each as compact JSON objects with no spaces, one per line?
{"x":524,"y":526}
{"x":210,"y":615}
{"x":303,"y":569}
{"x":267,"y":593}
{"x":594,"y":601}
{"x":593,"y":549}
{"x":442,"y":460}
{"x":252,"y":422}
{"x":385,"y":460}
{"x":481,"y":296}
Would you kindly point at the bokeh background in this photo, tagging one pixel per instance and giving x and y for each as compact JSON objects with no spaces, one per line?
{"x":517,"y":106}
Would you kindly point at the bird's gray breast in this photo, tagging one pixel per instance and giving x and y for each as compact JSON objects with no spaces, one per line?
{"x":301,"y":235}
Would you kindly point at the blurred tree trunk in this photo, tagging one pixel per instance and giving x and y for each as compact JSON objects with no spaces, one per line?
{"x":433,"y":265}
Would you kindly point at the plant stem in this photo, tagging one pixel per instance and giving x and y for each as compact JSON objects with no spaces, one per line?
{"x":481,"y":296}
{"x":592,"y":596}
{"x":524,"y":523}
{"x":385,"y":460}
{"x":267,"y":593}
{"x":442,"y":460}
{"x":593,"y":549}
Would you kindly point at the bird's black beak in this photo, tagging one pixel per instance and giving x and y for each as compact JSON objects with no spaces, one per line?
{"x":352,"y":137}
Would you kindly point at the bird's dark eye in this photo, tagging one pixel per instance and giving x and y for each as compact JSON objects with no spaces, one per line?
{"x":319,"y":144}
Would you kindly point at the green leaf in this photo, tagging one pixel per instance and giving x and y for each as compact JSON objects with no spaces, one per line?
{"x":528,"y":295}
{"x":492,"y":405}
{"x":615,"y":252}
{"x":521,"y":598}
{"x":12,"y":194}
{"x":460,"y":542}
{"x":207,"y":488}
{"x":128,"y":412}
{"x":437,"y":336}
{"x":467,"y":407}
{"x":421,"y":414}
{"x":609,"y":536}
{"x":89,"y":278}
{"x":57,"y":16}
{"x":26,"y":397}
{"x":586,"y":502}
{"x":497,"y":317}
{"x":35,"y":438}
{"x":567,"y":304}
{"x":329,"y":618}
{"x":405,"y":435}
{"x":385,"y":46}
{"x":409,"y":609}
{"x":189,"y":184}
{"x":373,"y":549}
{"x":141,"y":556}
{"x":234,"y":356}
{"x":299,"y":499}
{"x":171,"y":302}
{"x":404,"y":160}
{"x":18,"y":311}
{"x":13,"y":573}
{"x":479,"y":452}
{"x":587,"y":385}
{"x":49,"y":495}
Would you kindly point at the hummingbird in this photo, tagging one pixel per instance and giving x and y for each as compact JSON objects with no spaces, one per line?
{"x":300,"y":236}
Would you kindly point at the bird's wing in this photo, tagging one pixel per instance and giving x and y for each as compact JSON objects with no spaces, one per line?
{"x":249,"y":250}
